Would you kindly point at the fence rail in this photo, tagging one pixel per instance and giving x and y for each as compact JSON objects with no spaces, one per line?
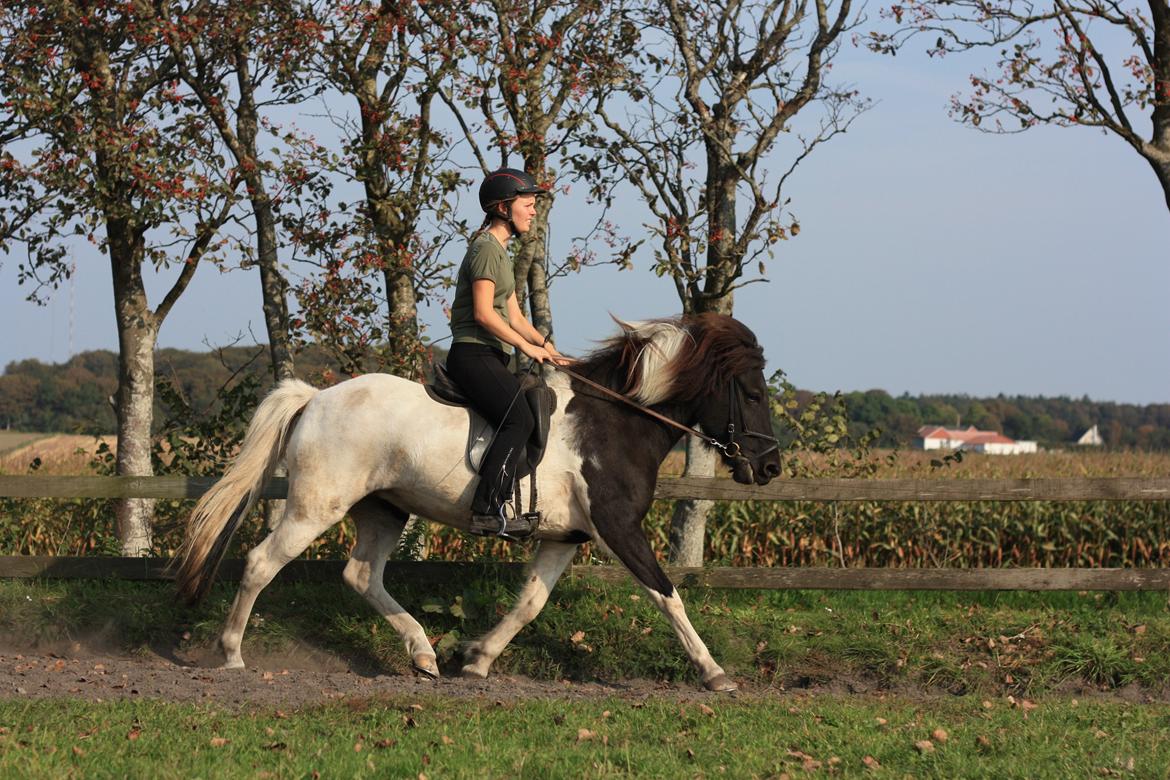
{"x":730,"y":577}
{"x":1081,"y":489}
{"x":1078,"y":489}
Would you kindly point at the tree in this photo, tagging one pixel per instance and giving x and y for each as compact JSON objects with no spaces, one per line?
{"x":1095,"y":63}
{"x":239,"y":59}
{"x":391,"y":63}
{"x":107,"y":152}
{"x":710,"y":90}
{"x":532,"y":63}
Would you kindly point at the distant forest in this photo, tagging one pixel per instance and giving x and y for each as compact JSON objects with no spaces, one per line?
{"x":75,"y":397}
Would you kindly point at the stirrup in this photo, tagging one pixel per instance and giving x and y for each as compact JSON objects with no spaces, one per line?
{"x":499,"y":525}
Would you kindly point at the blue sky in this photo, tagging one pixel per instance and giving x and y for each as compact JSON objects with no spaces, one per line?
{"x":932,"y":259}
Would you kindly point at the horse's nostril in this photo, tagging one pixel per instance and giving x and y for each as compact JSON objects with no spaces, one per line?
{"x":772,"y":469}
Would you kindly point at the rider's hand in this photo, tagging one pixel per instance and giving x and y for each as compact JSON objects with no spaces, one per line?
{"x":537,"y":353}
{"x":555,"y":356}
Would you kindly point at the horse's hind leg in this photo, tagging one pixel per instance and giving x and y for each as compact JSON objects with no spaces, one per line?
{"x":379,"y":526}
{"x":543,"y":572}
{"x":295,"y":532}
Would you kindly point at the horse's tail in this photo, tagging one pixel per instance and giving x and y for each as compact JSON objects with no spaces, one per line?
{"x":219,"y":512}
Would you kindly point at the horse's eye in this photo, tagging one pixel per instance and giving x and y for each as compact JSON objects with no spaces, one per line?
{"x":754,"y":398}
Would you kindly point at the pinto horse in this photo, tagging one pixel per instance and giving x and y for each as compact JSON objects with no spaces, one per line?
{"x":380,"y":449}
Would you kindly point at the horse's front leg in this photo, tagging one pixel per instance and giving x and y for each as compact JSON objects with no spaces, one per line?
{"x":621,"y":530}
{"x":543,"y":572}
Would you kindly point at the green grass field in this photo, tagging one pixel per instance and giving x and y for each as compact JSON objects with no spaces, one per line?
{"x":1001,"y":685}
{"x":794,"y":737}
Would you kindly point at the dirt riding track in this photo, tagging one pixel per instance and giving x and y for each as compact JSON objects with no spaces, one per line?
{"x":288,"y":681}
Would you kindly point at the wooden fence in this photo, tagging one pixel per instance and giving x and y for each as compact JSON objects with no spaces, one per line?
{"x":1083,"y":489}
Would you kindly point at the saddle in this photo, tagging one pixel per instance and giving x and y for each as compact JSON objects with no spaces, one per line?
{"x":540,"y":399}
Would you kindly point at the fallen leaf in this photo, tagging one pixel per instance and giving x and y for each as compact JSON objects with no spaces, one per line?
{"x":881,"y":721}
{"x":275,"y":746}
{"x":447,"y":740}
{"x":78,"y":751}
{"x":585,"y":735}
{"x":982,"y":741}
{"x":382,"y":744}
{"x":219,"y":741}
{"x":577,"y":637}
{"x":703,"y":708}
{"x":940,"y":735}
{"x":924,"y":746}
{"x":134,"y":733}
{"x":871,"y":762}
{"x":357,"y":746}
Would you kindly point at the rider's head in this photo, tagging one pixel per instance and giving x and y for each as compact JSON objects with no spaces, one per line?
{"x":509,"y":195}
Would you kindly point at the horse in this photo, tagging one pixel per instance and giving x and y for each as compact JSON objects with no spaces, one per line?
{"x":378,"y":448}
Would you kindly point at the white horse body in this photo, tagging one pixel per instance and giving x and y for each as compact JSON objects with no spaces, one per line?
{"x":358,"y":424}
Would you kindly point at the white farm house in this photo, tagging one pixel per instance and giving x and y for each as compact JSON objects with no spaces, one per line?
{"x":936,"y":437}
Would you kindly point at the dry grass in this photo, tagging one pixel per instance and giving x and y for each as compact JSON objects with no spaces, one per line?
{"x":60,"y":454}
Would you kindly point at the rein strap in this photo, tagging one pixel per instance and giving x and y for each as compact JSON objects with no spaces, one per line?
{"x":731,"y":449}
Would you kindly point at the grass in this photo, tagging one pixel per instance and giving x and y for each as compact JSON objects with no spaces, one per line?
{"x":397,"y":737}
{"x":977,"y":643}
{"x":14,"y":440}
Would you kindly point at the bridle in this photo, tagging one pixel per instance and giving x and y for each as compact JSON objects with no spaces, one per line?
{"x":730,"y":448}
{"x":732,"y":408}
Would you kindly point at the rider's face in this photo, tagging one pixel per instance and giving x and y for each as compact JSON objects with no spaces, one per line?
{"x":523,"y":212}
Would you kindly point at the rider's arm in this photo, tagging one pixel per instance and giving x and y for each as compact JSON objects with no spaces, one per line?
{"x":483,"y":292}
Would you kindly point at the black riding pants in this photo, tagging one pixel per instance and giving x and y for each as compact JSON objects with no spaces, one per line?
{"x":482,"y":374}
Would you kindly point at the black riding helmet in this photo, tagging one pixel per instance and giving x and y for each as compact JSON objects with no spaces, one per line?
{"x":505,"y":185}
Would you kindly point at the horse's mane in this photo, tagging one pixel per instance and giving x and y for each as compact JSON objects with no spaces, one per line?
{"x":677,"y":359}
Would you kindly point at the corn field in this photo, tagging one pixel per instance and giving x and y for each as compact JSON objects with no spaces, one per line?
{"x":753,"y":533}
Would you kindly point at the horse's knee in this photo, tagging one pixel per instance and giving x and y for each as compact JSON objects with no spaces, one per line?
{"x":357,"y":575}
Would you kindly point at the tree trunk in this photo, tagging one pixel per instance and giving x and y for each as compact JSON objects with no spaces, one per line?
{"x":402,"y":323}
{"x":273,"y":286}
{"x":688,"y":524}
{"x":137,"y":334}
{"x":1162,"y":171}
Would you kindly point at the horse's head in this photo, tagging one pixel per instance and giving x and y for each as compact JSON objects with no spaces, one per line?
{"x":714,"y":366}
{"x":734,"y":406}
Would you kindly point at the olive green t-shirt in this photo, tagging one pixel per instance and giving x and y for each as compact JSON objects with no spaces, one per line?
{"x":485,"y":259}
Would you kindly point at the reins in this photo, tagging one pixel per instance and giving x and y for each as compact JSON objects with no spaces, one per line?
{"x":731,"y":449}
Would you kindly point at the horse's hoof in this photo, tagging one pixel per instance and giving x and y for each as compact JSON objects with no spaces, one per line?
{"x":470,"y":672}
{"x":426,"y":666}
{"x":721,"y":683}
{"x":231,"y":665}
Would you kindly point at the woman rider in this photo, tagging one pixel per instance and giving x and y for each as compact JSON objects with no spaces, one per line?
{"x":486,"y":323}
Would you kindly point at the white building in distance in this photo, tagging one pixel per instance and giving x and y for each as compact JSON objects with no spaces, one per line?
{"x":1091,"y":438}
{"x":936,"y":437}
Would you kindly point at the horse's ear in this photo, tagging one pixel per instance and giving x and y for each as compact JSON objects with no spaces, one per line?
{"x":627,"y":327}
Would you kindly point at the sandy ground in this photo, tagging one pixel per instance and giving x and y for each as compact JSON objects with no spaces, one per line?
{"x":286,"y":683}
{"x":310,"y":677}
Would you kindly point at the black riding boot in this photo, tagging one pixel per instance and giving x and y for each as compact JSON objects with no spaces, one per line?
{"x":490,"y":510}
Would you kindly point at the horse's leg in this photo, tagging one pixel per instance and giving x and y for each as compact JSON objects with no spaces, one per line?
{"x":543,"y":572}
{"x":379,"y":526}
{"x":296,"y":531}
{"x":628,"y":542}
